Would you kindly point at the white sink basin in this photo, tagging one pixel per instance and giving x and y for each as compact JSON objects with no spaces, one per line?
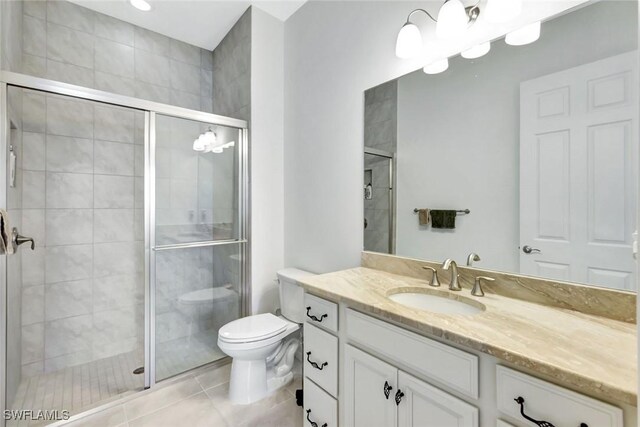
{"x":436,"y":303}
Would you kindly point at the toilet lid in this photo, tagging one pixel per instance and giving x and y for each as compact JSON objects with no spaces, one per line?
{"x":207,"y":295}
{"x":252,"y":328}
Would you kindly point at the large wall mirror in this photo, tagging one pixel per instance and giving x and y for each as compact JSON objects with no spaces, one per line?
{"x":526,"y":156}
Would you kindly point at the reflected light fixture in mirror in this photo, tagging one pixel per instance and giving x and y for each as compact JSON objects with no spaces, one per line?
{"x":501,"y":11}
{"x":452,"y":20}
{"x":436,"y":67}
{"x":140,"y":5}
{"x":525,"y":35}
{"x":476,"y":51}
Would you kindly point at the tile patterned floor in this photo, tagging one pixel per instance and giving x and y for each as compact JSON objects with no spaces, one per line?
{"x":92,"y":384}
{"x":80,"y":387}
{"x":200,"y":399}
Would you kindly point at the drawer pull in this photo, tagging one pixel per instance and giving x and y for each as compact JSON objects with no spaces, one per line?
{"x":399,"y":396}
{"x":520,"y":401}
{"x":314,"y":364}
{"x":313,"y":424}
{"x":387,"y":390}
{"x":314,"y":318}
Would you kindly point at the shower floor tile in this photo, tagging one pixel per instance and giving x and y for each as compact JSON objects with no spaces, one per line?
{"x":80,"y":387}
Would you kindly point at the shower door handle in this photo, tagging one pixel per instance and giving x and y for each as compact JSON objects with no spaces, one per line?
{"x":18,"y":239}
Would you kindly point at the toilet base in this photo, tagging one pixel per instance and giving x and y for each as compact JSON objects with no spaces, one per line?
{"x":253,"y":380}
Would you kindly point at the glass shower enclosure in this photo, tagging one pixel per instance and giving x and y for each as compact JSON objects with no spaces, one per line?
{"x":127,"y":228}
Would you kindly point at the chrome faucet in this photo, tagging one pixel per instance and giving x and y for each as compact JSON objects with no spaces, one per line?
{"x":453,"y":285}
{"x":471,"y":258}
{"x":477,"y":287}
{"x":434,"y":276}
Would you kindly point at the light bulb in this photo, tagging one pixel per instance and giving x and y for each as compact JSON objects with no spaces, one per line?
{"x":141,"y":5}
{"x":452,"y":20}
{"x":501,"y":11}
{"x":436,"y":67}
{"x":476,"y":51}
{"x":525,"y":35}
{"x":199,"y":144}
{"x":409,"y":42}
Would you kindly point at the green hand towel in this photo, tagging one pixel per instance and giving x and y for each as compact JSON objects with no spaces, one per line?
{"x":443,"y":219}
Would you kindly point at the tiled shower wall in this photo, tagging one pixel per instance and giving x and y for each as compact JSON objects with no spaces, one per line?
{"x":82,"y":296}
{"x":232,"y":71}
{"x":69,"y":43}
{"x":82,"y":199}
{"x":380,"y":131}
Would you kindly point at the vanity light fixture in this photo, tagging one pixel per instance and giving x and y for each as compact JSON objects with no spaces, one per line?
{"x":525,"y":35}
{"x":477,"y":51}
{"x":436,"y":67}
{"x":501,"y":11}
{"x":453,"y":19}
{"x":142,"y":5}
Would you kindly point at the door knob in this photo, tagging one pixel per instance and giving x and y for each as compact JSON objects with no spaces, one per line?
{"x":18,"y":239}
{"x":529,"y":250}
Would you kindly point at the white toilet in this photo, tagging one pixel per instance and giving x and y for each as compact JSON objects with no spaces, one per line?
{"x":263,"y":346}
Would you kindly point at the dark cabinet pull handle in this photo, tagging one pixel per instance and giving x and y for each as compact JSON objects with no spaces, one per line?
{"x":399,"y":396}
{"x":387,"y":389}
{"x":314,"y":318}
{"x":314,"y":364}
{"x":520,"y":401}
{"x":313,"y":424}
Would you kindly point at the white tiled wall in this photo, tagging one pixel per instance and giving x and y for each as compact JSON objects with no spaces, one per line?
{"x":66,"y":42}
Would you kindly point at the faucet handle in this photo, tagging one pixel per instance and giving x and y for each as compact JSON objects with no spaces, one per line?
{"x":434,"y":276}
{"x":477,"y":286}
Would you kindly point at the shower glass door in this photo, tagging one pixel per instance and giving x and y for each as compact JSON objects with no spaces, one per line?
{"x":76,"y":314}
{"x":137,"y":215}
{"x":196,"y":240}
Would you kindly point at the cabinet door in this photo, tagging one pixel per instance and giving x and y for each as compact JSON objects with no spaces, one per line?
{"x":424,"y":405}
{"x":366,"y":403}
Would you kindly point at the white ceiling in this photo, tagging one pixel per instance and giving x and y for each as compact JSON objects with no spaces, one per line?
{"x":203,"y":23}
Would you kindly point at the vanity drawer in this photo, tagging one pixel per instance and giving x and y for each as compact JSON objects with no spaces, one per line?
{"x":452,"y":367}
{"x":319,"y":407}
{"x":544,"y":401}
{"x":321,"y":312}
{"x":321,"y":358}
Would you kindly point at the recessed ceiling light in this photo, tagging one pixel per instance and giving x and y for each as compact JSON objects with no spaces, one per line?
{"x":141,"y":5}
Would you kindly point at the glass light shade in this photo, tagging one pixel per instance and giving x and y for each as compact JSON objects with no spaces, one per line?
{"x":477,"y":51}
{"x":140,"y":5}
{"x":409,"y":42}
{"x":525,"y":35}
{"x":452,"y":20}
{"x":436,"y":67}
{"x":501,"y":11}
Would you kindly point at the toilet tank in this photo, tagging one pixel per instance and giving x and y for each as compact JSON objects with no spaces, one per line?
{"x":291,"y":294}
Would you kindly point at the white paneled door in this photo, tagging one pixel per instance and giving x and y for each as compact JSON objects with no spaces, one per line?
{"x":578,"y":173}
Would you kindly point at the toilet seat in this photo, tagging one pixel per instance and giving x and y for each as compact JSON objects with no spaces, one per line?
{"x":251,"y":329}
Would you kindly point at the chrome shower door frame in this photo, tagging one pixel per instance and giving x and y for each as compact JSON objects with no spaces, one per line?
{"x":150,"y":109}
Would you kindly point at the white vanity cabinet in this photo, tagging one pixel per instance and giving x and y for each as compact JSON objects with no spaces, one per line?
{"x":367,"y":372}
{"x":379,"y":394}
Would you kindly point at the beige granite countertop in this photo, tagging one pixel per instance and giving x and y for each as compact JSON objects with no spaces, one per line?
{"x":590,"y":354}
